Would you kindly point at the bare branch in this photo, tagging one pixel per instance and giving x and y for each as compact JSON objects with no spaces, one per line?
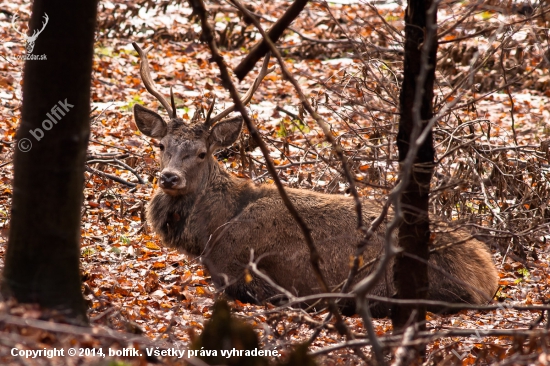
{"x":226,"y":78}
{"x":110,"y":176}
{"x":364,"y":311}
{"x":427,"y":337}
{"x":119,"y":163}
{"x":275,"y":32}
{"x":247,"y":97}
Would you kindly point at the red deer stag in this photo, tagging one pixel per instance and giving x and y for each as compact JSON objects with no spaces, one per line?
{"x":207,"y":212}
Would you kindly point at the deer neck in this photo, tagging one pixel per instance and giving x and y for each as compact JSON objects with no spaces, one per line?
{"x":219,"y":179}
{"x":188,"y":221}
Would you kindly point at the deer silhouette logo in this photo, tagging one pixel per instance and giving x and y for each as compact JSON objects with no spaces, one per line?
{"x":30,"y":40}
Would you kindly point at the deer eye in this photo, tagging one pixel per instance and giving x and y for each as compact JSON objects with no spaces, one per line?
{"x":202,"y":155}
{"x":161,"y":147}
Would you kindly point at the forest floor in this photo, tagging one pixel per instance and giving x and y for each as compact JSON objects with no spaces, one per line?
{"x":135,"y":285}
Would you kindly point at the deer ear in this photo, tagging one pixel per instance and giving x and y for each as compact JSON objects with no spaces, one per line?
{"x":149,"y":123}
{"x":225,"y":133}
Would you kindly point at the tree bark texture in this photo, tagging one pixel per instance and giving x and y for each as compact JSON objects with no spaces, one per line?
{"x":42,"y":259}
{"x":411,"y":275}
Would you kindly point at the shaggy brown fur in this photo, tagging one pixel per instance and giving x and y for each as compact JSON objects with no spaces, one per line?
{"x":212,"y":214}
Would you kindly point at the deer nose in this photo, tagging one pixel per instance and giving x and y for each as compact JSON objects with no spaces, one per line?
{"x":169,"y":180}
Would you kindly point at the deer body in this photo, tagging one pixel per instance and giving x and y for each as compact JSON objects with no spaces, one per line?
{"x":229,"y":216}
{"x":203,"y":210}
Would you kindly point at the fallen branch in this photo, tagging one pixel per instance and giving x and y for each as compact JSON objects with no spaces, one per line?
{"x":427,"y":337}
{"x":110,"y":176}
{"x":120,"y":164}
{"x":6,"y":163}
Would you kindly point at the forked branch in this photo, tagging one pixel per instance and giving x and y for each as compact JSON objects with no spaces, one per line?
{"x":248,"y":96}
{"x":262,"y":47}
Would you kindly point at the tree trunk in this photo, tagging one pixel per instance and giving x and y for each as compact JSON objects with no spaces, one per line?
{"x":42,"y":259}
{"x":411,"y":275}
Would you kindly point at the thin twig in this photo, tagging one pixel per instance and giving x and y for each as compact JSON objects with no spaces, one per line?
{"x":113,"y":146}
{"x":200,"y":9}
{"x":100,"y":114}
{"x":314,"y":256}
{"x":363,"y":308}
{"x":403,"y":352}
{"x":507,"y":88}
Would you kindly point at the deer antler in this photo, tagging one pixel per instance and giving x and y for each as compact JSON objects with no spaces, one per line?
{"x":145,"y":73}
{"x":36,"y":33}
{"x":248,"y":96}
{"x":13,"y":19}
{"x":172,"y":101}
{"x":209,"y":113}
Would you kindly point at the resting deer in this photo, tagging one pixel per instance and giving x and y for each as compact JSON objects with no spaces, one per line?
{"x":205,"y":211}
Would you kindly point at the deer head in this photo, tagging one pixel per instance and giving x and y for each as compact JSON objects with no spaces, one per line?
{"x":30,"y":40}
{"x":187,"y":147}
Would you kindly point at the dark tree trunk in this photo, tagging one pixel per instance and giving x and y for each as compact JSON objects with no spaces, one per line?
{"x":42,"y":259}
{"x":411,"y":275}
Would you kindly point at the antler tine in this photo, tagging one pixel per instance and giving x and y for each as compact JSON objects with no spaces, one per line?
{"x":148,"y":82}
{"x":173,"y":103}
{"x":248,"y":96}
{"x":207,"y":121}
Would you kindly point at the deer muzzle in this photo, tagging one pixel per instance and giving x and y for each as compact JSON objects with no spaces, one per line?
{"x":171,"y":180}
